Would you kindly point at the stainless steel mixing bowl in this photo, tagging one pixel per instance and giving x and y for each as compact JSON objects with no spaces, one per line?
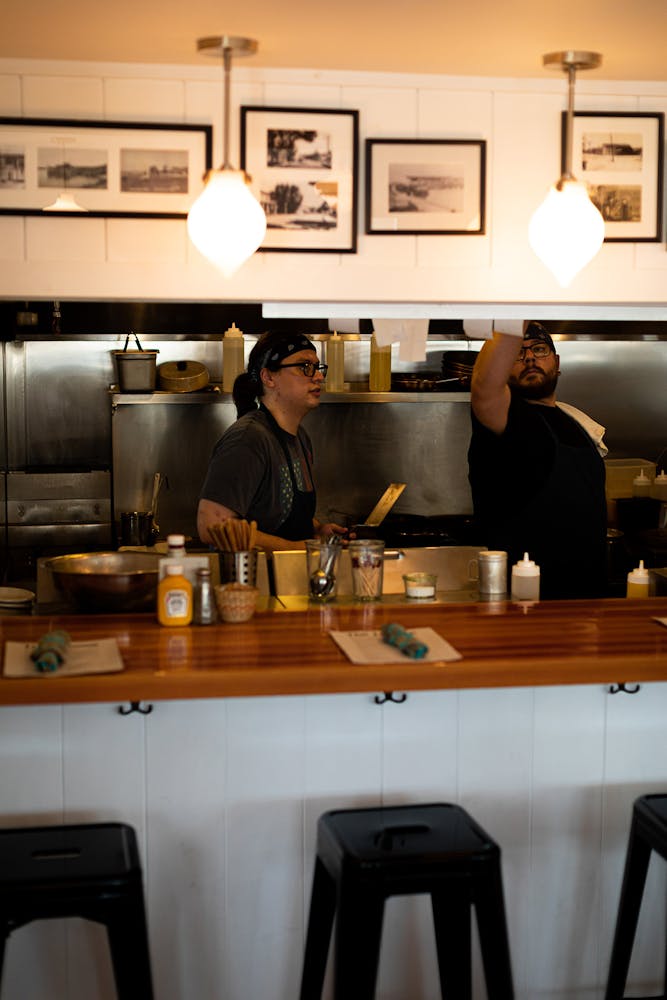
{"x":108,"y":581}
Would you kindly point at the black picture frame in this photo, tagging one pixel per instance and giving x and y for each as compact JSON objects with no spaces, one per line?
{"x":114,"y":169}
{"x":303,"y":166}
{"x":423,"y":187}
{"x":620,"y":158}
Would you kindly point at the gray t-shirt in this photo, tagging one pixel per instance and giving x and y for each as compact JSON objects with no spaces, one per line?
{"x":249,"y":473}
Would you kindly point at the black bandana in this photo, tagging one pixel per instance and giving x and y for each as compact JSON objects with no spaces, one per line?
{"x":274,"y":355}
{"x":535,"y":331}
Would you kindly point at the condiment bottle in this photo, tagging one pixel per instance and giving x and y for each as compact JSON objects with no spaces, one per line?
{"x":336,"y":361}
{"x":380,"y":374}
{"x":641,"y":485}
{"x":638,"y":580}
{"x":525,"y":580}
{"x":203,"y":611}
{"x":233,"y":361}
{"x":174,"y":597}
{"x":176,"y":554}
{"x":659,"y":491}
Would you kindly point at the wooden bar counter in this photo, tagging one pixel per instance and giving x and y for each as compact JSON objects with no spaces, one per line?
{"x":503,"y":644}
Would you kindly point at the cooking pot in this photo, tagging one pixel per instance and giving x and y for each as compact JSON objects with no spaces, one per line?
{"x":182,"y":376}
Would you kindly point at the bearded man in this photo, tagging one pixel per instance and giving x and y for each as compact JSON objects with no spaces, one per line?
{"x":536,"y":466}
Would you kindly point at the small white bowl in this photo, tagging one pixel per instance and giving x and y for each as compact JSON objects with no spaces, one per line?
{"x":420,"y":586}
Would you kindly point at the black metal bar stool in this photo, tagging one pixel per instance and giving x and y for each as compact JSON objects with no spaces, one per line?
{"x":648,"y":832}
{"x":89,"y":870}
{"x":365,"y":856}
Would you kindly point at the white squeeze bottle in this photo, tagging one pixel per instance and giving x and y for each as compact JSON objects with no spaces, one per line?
{"x":525,"y":580}
{"x":335,"y":381}
{"x":638,"y":580}
{"x":233,"y":362}
{"x":176,"y":554}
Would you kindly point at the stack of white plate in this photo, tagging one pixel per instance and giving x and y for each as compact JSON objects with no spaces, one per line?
{"x":15,"y":600}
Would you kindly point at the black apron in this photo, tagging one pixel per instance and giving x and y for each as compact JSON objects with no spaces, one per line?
{"x":299,"y":522}
{"x":566,"y":532}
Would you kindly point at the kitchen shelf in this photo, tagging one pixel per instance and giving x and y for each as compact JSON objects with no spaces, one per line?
{"x":215,"y":395}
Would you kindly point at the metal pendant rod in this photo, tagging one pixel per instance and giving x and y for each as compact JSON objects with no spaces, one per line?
{"x":569,"y":122}
{"x":227,"y":72}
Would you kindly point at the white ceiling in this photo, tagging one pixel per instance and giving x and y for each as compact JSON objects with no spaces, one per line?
{"x":479,"y":37}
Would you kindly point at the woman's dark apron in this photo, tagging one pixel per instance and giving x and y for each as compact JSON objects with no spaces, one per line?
{"x":299,"y":522}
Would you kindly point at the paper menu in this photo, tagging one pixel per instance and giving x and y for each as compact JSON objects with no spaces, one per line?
{"x":369,"y":647}
{"x":100,"y":656}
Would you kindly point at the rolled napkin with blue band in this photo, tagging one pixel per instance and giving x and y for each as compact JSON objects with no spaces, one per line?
{"x":395,"y":635}
{"x":50,"y":651}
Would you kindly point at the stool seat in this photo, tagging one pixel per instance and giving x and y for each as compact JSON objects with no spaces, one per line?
{"x":91,"y":871}
{"x":365,"y":856}
{"x":648,"y":832}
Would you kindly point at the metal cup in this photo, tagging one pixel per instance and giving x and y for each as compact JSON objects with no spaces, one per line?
{"x":239,"y":567}
{"x":491,"y":571}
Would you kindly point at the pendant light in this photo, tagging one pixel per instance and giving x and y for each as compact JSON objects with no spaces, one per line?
{"x":226,"y":222}
{"x":65,"y":202}
{"x":567,"y":230}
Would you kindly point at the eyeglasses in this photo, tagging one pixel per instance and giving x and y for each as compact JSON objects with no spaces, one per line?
{"x":309,"y":368}
{"x":537,"y":350}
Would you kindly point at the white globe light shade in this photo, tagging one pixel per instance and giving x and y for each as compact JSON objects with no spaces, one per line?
{"x":566,"y":231}
{"x":226,"y":222}
{"x":65,"y":202}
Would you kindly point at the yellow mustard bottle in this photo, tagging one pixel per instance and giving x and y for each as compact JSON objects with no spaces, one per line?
{"x":174,"y":597}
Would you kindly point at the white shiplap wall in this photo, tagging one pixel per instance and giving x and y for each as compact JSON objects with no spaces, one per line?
{"x":152,"y":259}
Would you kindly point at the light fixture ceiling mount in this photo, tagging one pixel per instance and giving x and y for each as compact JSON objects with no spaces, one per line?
{"x":226,"y":222}
{"x":567,"y":230}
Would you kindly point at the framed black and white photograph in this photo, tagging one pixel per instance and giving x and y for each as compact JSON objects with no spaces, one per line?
{"x":425,"y":186}
{"x":620,"y":159}
{"x":124,"y":169}
{"x":303,"y":166}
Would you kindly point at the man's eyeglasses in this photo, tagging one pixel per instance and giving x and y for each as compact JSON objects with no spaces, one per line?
{"x":308,"y":368}
{"x":537,"y":350}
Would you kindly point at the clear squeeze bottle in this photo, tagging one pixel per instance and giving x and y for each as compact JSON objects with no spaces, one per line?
{"x":233,"y":361}
{"x":336,"y":361}
{"x":638,"y":580}
{"x":659,"y":491}
{"x":525,"y":580}
{"x":380,"y":374}
{"x":641,"y":485}
{"x":174,"y":597}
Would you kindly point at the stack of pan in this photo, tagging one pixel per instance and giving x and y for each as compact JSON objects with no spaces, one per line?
{"x":458,"y":365}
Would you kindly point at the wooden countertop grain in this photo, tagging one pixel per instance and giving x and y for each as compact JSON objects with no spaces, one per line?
{"x":503,"y":644}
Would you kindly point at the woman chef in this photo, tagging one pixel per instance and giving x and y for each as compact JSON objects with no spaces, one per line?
{"x":261,"y":468}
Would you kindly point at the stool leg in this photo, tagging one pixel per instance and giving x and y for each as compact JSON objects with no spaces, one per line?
{"x":130,"y":955}
{"x":632,"y":890}
{"x":357,"y":953}
{"x":451,"y":921}
{"x":320,"y":924}
{"x":493,"y":936}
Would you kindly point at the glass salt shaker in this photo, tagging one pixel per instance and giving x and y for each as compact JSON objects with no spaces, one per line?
{"x":204,"y":612}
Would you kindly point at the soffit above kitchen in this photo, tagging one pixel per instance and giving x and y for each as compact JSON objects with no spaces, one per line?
{"x":481,"y":38}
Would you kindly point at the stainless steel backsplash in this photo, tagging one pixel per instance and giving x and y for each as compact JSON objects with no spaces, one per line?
{"x":59,"y":416}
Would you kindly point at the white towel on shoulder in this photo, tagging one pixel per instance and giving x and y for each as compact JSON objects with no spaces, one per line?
{"x":594,"y":430}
